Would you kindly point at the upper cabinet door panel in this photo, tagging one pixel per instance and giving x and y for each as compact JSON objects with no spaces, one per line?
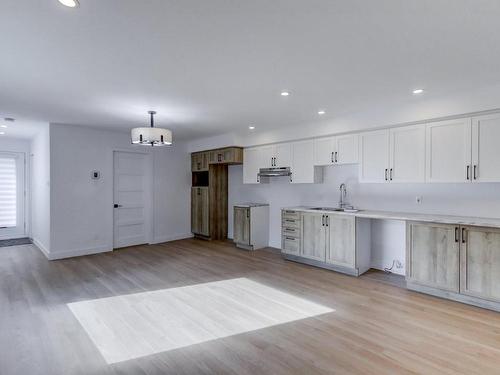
{"x":303,"y":171}
{"x":283,"y":155}
{"x":374,"y":156}
{"x":267,"y":156}
{"x":324,"y":149}
{"x":347,"y":149}
{"x":407,"y":154}
{"x":486,"y":149}
{"x":252,"y":162}
{"x":448,"y":145}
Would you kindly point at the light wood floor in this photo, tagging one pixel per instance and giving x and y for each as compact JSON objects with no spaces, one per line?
{"x":374,"y":328}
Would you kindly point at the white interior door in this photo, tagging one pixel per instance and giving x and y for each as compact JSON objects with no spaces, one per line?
{"x":12,"y":195}
{"x":131,"y":199}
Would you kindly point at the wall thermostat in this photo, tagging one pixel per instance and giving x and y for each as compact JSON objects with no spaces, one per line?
{"x":96,"y":175}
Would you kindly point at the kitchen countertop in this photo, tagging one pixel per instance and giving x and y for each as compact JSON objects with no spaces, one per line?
{"x":406,"y":216}
{"x":246,"y":205}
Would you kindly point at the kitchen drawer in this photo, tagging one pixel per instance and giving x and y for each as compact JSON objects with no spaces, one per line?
{"x":290,"y":214}
{"x":290,"y":231}
{"x":291,"y":245}
{"x":290,"y":223}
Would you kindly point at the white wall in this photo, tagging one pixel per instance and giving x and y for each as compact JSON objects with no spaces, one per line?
{"x":81,"y":208}
{"x":387,"y":236}
{"x":40,"y":189}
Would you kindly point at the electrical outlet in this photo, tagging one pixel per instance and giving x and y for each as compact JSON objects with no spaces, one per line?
{"x":418,"y":199}
{"x":399,"y":264}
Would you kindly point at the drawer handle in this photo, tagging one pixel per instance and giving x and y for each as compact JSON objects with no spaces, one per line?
{"x":290,"y":220}
{"x":290,"y":230}
{"x":290,"y":238}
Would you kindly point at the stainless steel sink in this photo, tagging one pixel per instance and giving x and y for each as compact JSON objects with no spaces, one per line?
{"x":327,"y":209}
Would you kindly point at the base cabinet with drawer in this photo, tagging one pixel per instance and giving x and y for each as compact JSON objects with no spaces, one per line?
{"x":456,"y":262}
{"x":333,"y":241}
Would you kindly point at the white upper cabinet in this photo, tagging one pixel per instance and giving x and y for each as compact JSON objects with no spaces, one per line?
{"x":283,"y":155}
{"x":486,"y":148}
{"x":374,"y":156}
{"x":252,"y":162}
{"x":336,"y":150}
{"x":303,"y":170}
{"x":347,"y":149}
{"x":267,"y":156}
{"x":407,"y":154}
{"x":324,"y":151}
{"x":448,"y":151}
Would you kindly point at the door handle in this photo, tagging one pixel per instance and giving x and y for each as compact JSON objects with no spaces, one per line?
{"x":117,"y":205}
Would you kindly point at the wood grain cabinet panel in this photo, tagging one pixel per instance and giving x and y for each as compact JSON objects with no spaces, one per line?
{"x":241,"y":225}
{"x":480,"y":262}
{"x":433,"y":255}
{"x":313,"y":236}
{"x":200,"y":211}
{"x":341,"y":238}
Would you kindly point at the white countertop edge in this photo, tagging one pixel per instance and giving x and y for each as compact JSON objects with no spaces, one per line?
{"x":406,"y":216}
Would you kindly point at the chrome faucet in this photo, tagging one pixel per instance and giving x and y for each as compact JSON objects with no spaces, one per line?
{"x":343,"y":193}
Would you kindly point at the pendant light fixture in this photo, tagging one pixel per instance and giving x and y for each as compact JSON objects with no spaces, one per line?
{"x":151,"y":136}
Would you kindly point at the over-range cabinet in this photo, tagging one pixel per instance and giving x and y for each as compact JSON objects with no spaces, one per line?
{"x":209,"y":171}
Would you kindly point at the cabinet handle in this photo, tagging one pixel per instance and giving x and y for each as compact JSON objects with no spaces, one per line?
{"x":463,"y":236}
{"x":248,"y":213}
{"x":456,"y":234}
{"x":332,"y":157}
{"x":323,"y":220}
{"x":468,"y":170}
{"x":336,"y":154}
{"x":390,"y":174}
{"x":290,"y":220}
{"x":327,"y":220}
{"x":386,"y":174}
{"x":290,"y":238}
{"x":290,"y":230}
{"x":475,"y":169}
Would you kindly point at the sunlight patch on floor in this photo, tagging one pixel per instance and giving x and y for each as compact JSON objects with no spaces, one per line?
{"x":141,"y":324}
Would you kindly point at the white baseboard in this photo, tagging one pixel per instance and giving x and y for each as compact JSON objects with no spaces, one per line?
{"x":175,"y":237}
{"x":380,"y":265}
{"x":41,"y":247}
{"x":78,"y":252}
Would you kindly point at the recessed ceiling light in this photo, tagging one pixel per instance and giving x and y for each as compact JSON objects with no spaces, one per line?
{"x":418,"y":91}
{"x":251,"y":127}
{"x":321,"y":112}
{"x":2,"y":133}
{"x":3,"y":126}
{"x":285,"y":93}
{"x":70,"y":3}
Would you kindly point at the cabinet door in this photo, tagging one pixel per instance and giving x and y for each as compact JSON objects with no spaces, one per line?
{"x":196,"y":162}
{"x":200,"y":211}
{"x":448,"y":145}
{"x":347,"y":149}
{"x":341,"y":240}
{"x":374,"y":156}
{"x":283,"y":155}
{"x":313,"y":236}
{"x":241,"y":226}
{"x":267,"y":156}
{"x":303,"y":171}
{"x":251,"y":165}
{"x":407,"y":154}
{"x":480,"y":263}
{"x":433,"y":255}
{"x":485,"y":148}
{"x":324,"y":149}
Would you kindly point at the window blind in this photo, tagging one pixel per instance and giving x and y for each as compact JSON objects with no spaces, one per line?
{"x":8,"y":192}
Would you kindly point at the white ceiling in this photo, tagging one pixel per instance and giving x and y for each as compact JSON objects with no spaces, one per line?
{"x":213,"y":66}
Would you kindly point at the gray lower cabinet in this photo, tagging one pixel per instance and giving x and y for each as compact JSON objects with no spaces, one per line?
{"x":433,"y":255}
{"x":455,"y":262}
{"x":334,"y":241}
{"x":241,"y":226}
{"x":313,"y":236}
{"x":480,"y":263}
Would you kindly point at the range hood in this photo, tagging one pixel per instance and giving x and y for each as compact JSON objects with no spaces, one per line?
{"x":275,"y":172}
